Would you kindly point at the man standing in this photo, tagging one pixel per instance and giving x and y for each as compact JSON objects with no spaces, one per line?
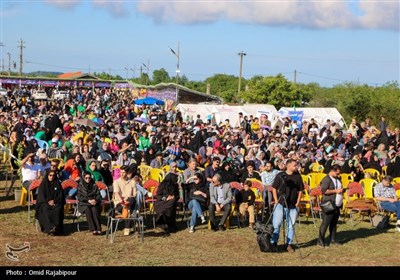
{"x":286,"y":190}
{"x":332,"y":190}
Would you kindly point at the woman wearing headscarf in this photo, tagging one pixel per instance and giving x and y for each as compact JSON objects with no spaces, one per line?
{"x":50,"y":204}
{"x":197,"y":197}
{"x":91,"y":167}
{"x":165,"y":205}
{"x":89,"y":202}
{"x":228,"y":173}
{"x":373,"y":163}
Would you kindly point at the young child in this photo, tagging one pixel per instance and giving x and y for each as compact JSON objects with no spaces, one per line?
{"x":247,"y":204}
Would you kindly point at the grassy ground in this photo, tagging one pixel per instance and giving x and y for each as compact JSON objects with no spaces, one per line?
{"x":363,"y":245}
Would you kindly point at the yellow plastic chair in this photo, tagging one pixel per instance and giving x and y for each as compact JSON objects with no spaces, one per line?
{"x":368,"y":185}
{"x":384,"y":171}
{"x":144,"y":171}
{"x":316,"y":179}
{"x":316,"y":167}
{"x":396,"y":180}
{"x":306,"y":179}
{"x":157,"y":174}
{"x":165,"y":168}
{"x":257,"y":187}
{"x":346,"y":179}
{"x":373,"y":173}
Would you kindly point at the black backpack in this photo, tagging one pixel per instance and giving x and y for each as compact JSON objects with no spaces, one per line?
{"x":264,"y":234}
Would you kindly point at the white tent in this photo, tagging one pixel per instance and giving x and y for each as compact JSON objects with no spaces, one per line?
{"x":223,"y":112}
{"x":320,"y":115}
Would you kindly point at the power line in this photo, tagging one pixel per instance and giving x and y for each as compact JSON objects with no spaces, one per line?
{"x":73,"y":68}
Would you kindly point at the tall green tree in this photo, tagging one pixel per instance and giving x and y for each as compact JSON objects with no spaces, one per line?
{"x":224,"y":86}
{"x":160,"y":76}
{"x":277,"y":91}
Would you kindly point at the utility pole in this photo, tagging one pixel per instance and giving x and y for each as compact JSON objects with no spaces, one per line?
{"x":126,"y":68}
{"x":9,"y":64}
{"x":133,"y":70}
{"x":294,"y":78}
{"x":21,"y":47}
{"x":240,"y":69}
{"x":177,"y":73}
{"x":148,"y":70}
{"x":141,"y":72}
{"x":2,"y":59}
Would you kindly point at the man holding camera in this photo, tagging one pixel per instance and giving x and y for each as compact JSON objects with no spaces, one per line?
{"x":286,"y":190}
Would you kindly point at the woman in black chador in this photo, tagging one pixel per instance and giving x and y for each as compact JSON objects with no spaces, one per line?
{"x":89,"y":202}
{"x":50,"y":204}
{"x":165,"y":205}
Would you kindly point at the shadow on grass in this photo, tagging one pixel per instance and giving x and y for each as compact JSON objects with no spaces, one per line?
{"x":12,"y":210}
{"x":7,"y":198}
{"x":348,"y":235}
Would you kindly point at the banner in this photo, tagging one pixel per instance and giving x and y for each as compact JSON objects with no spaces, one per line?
{"x":297,"y":116}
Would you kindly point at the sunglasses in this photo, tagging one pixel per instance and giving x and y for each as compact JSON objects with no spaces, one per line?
{"x":54,"y":165}
{"x":88,"y":178}
{"x":51,"y":175}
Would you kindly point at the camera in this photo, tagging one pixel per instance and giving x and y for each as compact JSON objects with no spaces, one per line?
{"x":283,"y":176}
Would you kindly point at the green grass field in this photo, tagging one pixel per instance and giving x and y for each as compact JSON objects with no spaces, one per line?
{"x":362,"y":245}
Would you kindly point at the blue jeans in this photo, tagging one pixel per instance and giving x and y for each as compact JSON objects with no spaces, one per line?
{"x":277,"y":220}
{"x":70,"y":192}
{"x":392,"y":207}
{"x":140,"y":194}
{"x":195,"y":207}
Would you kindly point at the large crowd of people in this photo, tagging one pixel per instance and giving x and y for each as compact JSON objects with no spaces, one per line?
{"x":51,"y":140}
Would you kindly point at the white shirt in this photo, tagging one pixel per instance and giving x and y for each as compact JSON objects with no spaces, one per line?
{"x":339,"y":196}
{"x":30,"y":172}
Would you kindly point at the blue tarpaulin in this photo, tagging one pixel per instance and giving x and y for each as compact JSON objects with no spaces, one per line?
{"x":148,"y":101}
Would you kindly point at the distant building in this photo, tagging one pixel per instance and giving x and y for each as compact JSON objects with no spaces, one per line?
{"x":163,"y":91}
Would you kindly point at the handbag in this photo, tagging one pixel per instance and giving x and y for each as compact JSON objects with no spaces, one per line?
{"x":380,"y":221}
{"x":328,"y":206}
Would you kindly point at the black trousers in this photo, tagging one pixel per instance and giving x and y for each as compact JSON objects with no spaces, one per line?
{"x":226,"y":209}
{"x":329,"y":221}
{"x":93,"y":217}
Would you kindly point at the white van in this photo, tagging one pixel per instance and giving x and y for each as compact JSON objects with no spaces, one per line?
{"x":3,"y":92}
{"x":39,"y":95}
{"x":61,"y":95}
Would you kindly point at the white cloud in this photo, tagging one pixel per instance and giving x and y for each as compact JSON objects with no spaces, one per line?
{"x":321,"y":14}
{"x":117,"y":9}
{"x":64,"y":4}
